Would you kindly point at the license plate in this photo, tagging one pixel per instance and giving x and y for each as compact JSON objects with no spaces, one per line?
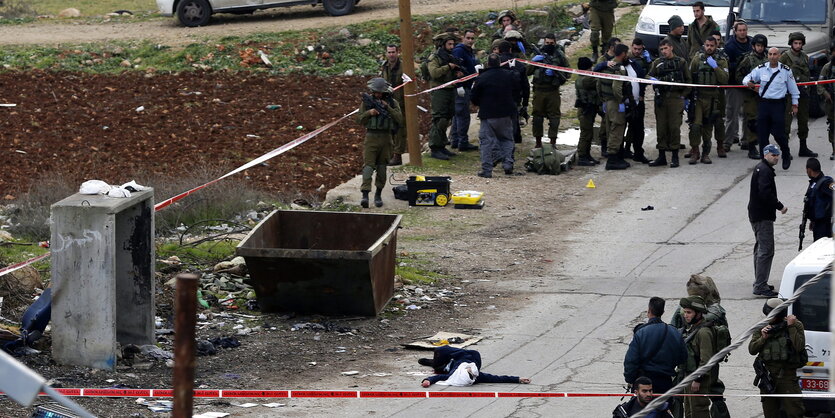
{"x":821,"y":385}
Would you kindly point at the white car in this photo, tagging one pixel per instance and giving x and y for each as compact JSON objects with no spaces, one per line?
{"x":812,"y":309}
{"x":652,"y":24}
{"x":197,"y":12}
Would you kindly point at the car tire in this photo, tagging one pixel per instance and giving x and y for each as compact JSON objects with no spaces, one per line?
{"x":338,"y":7}
{"x":193,"y":13}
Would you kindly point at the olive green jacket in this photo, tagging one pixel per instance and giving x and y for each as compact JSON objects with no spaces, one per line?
{"x":696,"y":34}
{"x":720,"y":73}
{"x":799,"y":63}
{"x":394,"y":75}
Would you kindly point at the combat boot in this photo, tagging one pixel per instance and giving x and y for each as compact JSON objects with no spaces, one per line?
{"x":640,"y":157}
{"x":594,"y":55}
{"x":438,"y":155}
{"x":722,"y":150}
{"x":674,"y":163}
{"x":805,"y":151}
{"x":378,"y":198}
{"x":585,"y":162}
{"x":660,"y":161}
{"x":616,"y":163}
{"x":364,"y":200}
{"x":396,"y":159}
{"x":604,"y":147}
{"x":752,"y":152}
{"x":706,"y":159}
{"x":538,"y":143}
{"x":694,"y":156}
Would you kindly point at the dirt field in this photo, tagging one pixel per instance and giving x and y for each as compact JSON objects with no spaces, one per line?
{"x":168,"y":31}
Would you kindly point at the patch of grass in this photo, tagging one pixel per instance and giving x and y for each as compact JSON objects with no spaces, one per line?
{"x":207,"y":253}
{"x":414,"y":275}
{"x":92,"y":7}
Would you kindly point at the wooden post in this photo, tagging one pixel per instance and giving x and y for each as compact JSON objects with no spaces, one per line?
{"x":185,"y":311}
{"x":407,"y":46}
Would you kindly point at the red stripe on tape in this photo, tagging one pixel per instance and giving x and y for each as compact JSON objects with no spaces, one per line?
{"x":8,"y":269}
{"x":462,"y":394}
{"x":257,"y":394}
{"x":531,"y":395}
{"x":586,"y":395}
{"x":320,"y":394}
{"x":68,"y":392}
{"x":391,"y":394}
{"x":118,"y":392}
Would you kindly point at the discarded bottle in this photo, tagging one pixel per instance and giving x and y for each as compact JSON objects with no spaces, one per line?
{"x":273,"y":107}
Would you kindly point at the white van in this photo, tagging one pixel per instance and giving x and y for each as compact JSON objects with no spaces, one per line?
{"x":652,"y":25}
{"x":812,"y":308}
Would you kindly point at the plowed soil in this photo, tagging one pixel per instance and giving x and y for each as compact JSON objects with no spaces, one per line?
{"x":133,"y":126}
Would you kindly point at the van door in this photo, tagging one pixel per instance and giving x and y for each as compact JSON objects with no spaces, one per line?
{"x":812,"y":309}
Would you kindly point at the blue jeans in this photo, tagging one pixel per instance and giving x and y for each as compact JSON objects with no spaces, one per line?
{"x":461,"y":119}
{"x":496,"y":143}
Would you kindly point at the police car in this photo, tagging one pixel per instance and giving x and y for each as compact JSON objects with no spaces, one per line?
{"x":812,"y":308}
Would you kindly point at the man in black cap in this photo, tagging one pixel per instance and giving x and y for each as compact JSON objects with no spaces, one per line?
{"x":680,"y":48}
{"x":762,"y":207}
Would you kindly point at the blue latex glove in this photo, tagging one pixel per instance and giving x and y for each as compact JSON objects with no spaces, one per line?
{"x":549,"y":72}
{"x":521,"y":47}
{"x":712,"y":62}
{"x":621,"y":108}
{"x":686,"y":103}
{"x":647,"y":56}
{"x":538,"y":58}
{"x":604,"y":108}
{"x":653,"y":79}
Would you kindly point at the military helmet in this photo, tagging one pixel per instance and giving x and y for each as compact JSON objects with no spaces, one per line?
{"x":760,"y":39}
{"x":797,"y":36}
{"x":442,"y":37}
{"x":513,"y":34}
{"x":379,"y":85}
{"x":771,"y":304}
{"x":508,"y":13}
{"x":694,"y":302}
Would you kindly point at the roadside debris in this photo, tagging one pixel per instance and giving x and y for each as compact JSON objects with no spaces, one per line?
{"x":444,"y":338}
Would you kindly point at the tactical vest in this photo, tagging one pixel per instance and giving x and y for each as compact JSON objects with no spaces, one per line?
{"x":828,"y":73}
{"x":672,"y":70}
{"x":379,"y":122}
{"x":776,"y":347}
{"x":541,"y":79}
{"x":750,"y":61}
{"x":819,"y":205}
{"x":799,"y":65}
{"x":605,"y":87}
{"x":586,"y":98}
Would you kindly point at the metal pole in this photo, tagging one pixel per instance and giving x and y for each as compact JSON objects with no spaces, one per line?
{"x":185,"y":310}
{"x":408,"y":57}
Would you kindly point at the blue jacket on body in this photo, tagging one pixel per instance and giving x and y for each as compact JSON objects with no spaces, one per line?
{"x":468,"y":61}
{"x":656,"y":337}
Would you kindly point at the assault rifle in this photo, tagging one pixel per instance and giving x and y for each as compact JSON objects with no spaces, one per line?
{"x":372,"y":103}
{"x":802,"y":233}
{"x":763,"y":379}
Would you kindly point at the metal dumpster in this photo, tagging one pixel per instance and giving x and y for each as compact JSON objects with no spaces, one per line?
{"x":334,"y":263}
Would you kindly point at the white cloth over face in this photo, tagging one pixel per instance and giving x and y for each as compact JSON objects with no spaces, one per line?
{"x":464,"y":375}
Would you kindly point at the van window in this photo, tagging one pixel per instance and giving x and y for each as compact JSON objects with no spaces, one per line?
{"x":708,"y":3}
{"x":784,"y":11}
{"x":812,"y":307}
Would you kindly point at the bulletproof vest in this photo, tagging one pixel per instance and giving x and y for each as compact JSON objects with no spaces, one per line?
{"x":585,"y":97}
{"x":671,"y":69}
{"x":542,"y":79}
{"x":705,"y":74}
{"x":776,"y":347}
{"x":799,"y":65}
{"x":380,"y":122}
{"x":605,"y":85}
{"x":819,"y":206}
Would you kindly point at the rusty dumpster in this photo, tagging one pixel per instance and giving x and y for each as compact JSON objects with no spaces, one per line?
{"x":332,"y":263}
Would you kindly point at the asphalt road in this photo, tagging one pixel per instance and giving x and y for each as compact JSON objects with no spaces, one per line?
{"x":573,"y":332}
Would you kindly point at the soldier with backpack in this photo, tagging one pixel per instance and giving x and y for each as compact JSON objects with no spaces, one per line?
{"x":700,"y":339}
{"x":781,"y":347}
{"x":442,"y":67}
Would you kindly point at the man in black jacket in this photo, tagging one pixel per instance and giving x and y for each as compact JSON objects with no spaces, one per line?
{"x":643,"y":396}
{"x":496,"y":92}
{"x":762,"y":205}
{"x":655,"y":351}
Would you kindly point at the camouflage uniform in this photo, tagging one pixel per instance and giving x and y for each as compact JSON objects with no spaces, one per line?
{"x":601,"y":18}
{"x":696,"y":34}
{"x":394,"y":75}
{"x":587,"y":105}
{"x":669,"y":101}
{"x":707,"y":115}
{"x":701,"y":346}
{"x":799,"y":64}
{"x":611,"y":93}
{"x":750,"y":61}
{"x":828,"y":73}
{"x":546,"y":95}
{"x":442,"y":100}
{"x":377,"y":145}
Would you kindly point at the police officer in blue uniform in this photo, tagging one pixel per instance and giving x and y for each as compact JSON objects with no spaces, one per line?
{"x":772,"y":81}
{"x":817,"y":205}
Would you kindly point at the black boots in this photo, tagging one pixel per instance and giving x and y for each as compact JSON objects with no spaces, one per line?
{"x":616,"y":162}
{"x":364,"y":200}
{"x":752,"y":152}
{"x":804,"y":151}
{"x":378,"y":198}
{"x":674,"y":163}
{"x":594,"y":54}
{"x":660,"y":161}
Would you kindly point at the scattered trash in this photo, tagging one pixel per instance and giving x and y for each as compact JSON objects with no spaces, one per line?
{"x":225,"y":342}
{"x":206,"y":348}
{"x":211,"y":415}
{"x":273,"y":107}
{"x":246,"y":405}
{"x":648,"y":208}
{"x":413,"y":307}
{"x":154,"y":352}
{"x":350,"y":373}
{"x":312,"y":363}
{"x":156,"y":406}
{"x":8,"y":104}
{"x":140,"y":109}
{"x":274,"y":404}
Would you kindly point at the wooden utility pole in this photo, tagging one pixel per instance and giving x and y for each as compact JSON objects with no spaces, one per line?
{"x":407,"y":46}
{"x":185,"y":311}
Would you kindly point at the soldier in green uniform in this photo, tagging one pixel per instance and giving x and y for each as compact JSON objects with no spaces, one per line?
{"x":781,"y":345}
{"x":607,"y":57}
{"x":379,"y":127}
{"x":613,"y":96}
{"x":700,"y":29}
{"x":669,"y":102}
{"x":392,"y":71}
{"x":680,"y":47}
{"x":827,"y":91}
{"x":707,"y":69}
{"x":442,"y":69}
{"x":546,"y":90}
{"x":751,"y":60}
{"x":587,"y":104}
{"x":506,"y":18}
{"x":701,"y":346}
{"x":601,"y":19}
{"x":798,"y":61}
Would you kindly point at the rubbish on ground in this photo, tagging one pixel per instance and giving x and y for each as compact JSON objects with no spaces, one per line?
{"x":350,"y":373}
{"x":312,"y":363}
{"x":211,"y":415}
{"x":246,"y":405}
{"x":413,"y":307}
{"x":155,"y":352}
{"x":206,"y":348}
{"x":273,"y":107}
{"x":8,"y":104}
{"x":426,"y":343}
{"x":274,"y":404}
{"x":590,"y":184}
{"x":225,"y":342}
{"x":156,"y":406}
{"x":32,"y":325}
{"x":648,"y":208}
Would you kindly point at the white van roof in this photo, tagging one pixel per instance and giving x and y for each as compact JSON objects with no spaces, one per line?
{"x":818,"y":255}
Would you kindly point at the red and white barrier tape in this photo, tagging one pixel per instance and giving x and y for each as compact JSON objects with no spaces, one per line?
{"x":272,"y":154}
{"x":236,"y":393}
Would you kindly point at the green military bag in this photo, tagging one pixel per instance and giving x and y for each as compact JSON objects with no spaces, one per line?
{"x":722,"y":338}
{"x":545,"y":160}
{"x":424,"y":67}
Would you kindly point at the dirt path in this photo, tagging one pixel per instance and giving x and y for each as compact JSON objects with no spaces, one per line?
{"x":168,"y":31}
